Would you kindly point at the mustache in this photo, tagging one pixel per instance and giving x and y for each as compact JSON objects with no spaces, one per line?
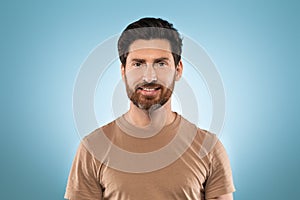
{"x":148,"y":85}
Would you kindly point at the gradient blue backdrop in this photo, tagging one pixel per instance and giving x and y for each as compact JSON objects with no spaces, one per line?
{"x":255,"y":45}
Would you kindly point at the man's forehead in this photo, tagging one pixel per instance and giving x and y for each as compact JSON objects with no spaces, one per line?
{"x":162,"y":45}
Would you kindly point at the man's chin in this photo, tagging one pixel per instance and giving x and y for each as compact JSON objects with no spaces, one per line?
{"x":149,"y":104}
{"x":149,"y":108}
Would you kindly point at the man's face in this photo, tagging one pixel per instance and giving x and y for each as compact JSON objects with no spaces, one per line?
{"x":150,"y":73}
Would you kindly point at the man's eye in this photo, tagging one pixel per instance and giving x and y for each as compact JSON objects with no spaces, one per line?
{"x":137,"y":64}
{"x":162,"y":64}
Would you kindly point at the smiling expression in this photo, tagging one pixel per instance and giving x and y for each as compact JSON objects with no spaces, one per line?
{"x":150,"y":73}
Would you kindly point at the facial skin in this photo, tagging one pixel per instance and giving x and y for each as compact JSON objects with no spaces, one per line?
{"x":150,"y":73}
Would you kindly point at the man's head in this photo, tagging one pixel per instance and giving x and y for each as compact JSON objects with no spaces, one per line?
{"x":150,"y":53}
{"x":147,"y":29}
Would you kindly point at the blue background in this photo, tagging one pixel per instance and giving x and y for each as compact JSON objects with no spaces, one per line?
{"x":255,"y":45}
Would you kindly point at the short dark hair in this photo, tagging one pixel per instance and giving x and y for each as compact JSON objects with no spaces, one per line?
{"x":150,"y":28}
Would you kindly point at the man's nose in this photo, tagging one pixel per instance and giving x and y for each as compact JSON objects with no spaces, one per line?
{"x":150,"y":74}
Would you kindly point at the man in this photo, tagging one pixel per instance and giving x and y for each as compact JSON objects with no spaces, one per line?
{"x":150,"y":152}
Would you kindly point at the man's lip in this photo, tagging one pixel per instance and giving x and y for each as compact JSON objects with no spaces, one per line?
{"x":148,"y":88}
{"x":149,"y":91}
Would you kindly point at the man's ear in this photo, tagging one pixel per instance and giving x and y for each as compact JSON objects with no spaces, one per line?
{"x":123,"y":72}
{"x":179,"y":69}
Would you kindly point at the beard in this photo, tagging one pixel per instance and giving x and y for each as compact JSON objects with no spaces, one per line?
{"x":149,"y":102}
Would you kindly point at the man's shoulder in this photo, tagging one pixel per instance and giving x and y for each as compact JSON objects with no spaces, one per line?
{"x":105,"y":129}
{"x":203,"y":133}
{"x":206,"y":139}
{"x":200,"y":131}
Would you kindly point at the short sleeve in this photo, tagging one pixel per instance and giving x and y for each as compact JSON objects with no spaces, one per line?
{"x":83,"y":182}
{"x":220,"y":180}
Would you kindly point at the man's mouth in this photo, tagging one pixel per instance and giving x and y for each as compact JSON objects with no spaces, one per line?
{"x":149,"y":91}
{"x":149,"y":88}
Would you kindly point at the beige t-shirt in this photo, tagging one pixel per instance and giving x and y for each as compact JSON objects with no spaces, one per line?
{"x":201,"y":172}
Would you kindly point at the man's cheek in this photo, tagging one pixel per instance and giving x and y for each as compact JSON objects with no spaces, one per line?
{"x":166,"y":81}
{"x":133,"y":79}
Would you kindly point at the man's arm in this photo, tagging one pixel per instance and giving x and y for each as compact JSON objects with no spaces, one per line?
{"x":83,"y":181}
{"x":223,"y":197}
{"x":219,"y":185}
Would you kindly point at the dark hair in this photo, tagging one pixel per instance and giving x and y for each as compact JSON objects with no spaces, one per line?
{"x":150,"y":28}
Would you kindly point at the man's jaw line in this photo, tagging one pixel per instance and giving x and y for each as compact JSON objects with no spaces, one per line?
{"x":156,"y":108}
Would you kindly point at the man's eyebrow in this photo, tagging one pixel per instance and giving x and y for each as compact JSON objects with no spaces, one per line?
{"x":144,"y":61}
{"x":138,"y":60}
{"x":161,"y":59}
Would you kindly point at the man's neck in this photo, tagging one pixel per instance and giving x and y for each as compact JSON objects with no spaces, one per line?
{"x":142,"y":118}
